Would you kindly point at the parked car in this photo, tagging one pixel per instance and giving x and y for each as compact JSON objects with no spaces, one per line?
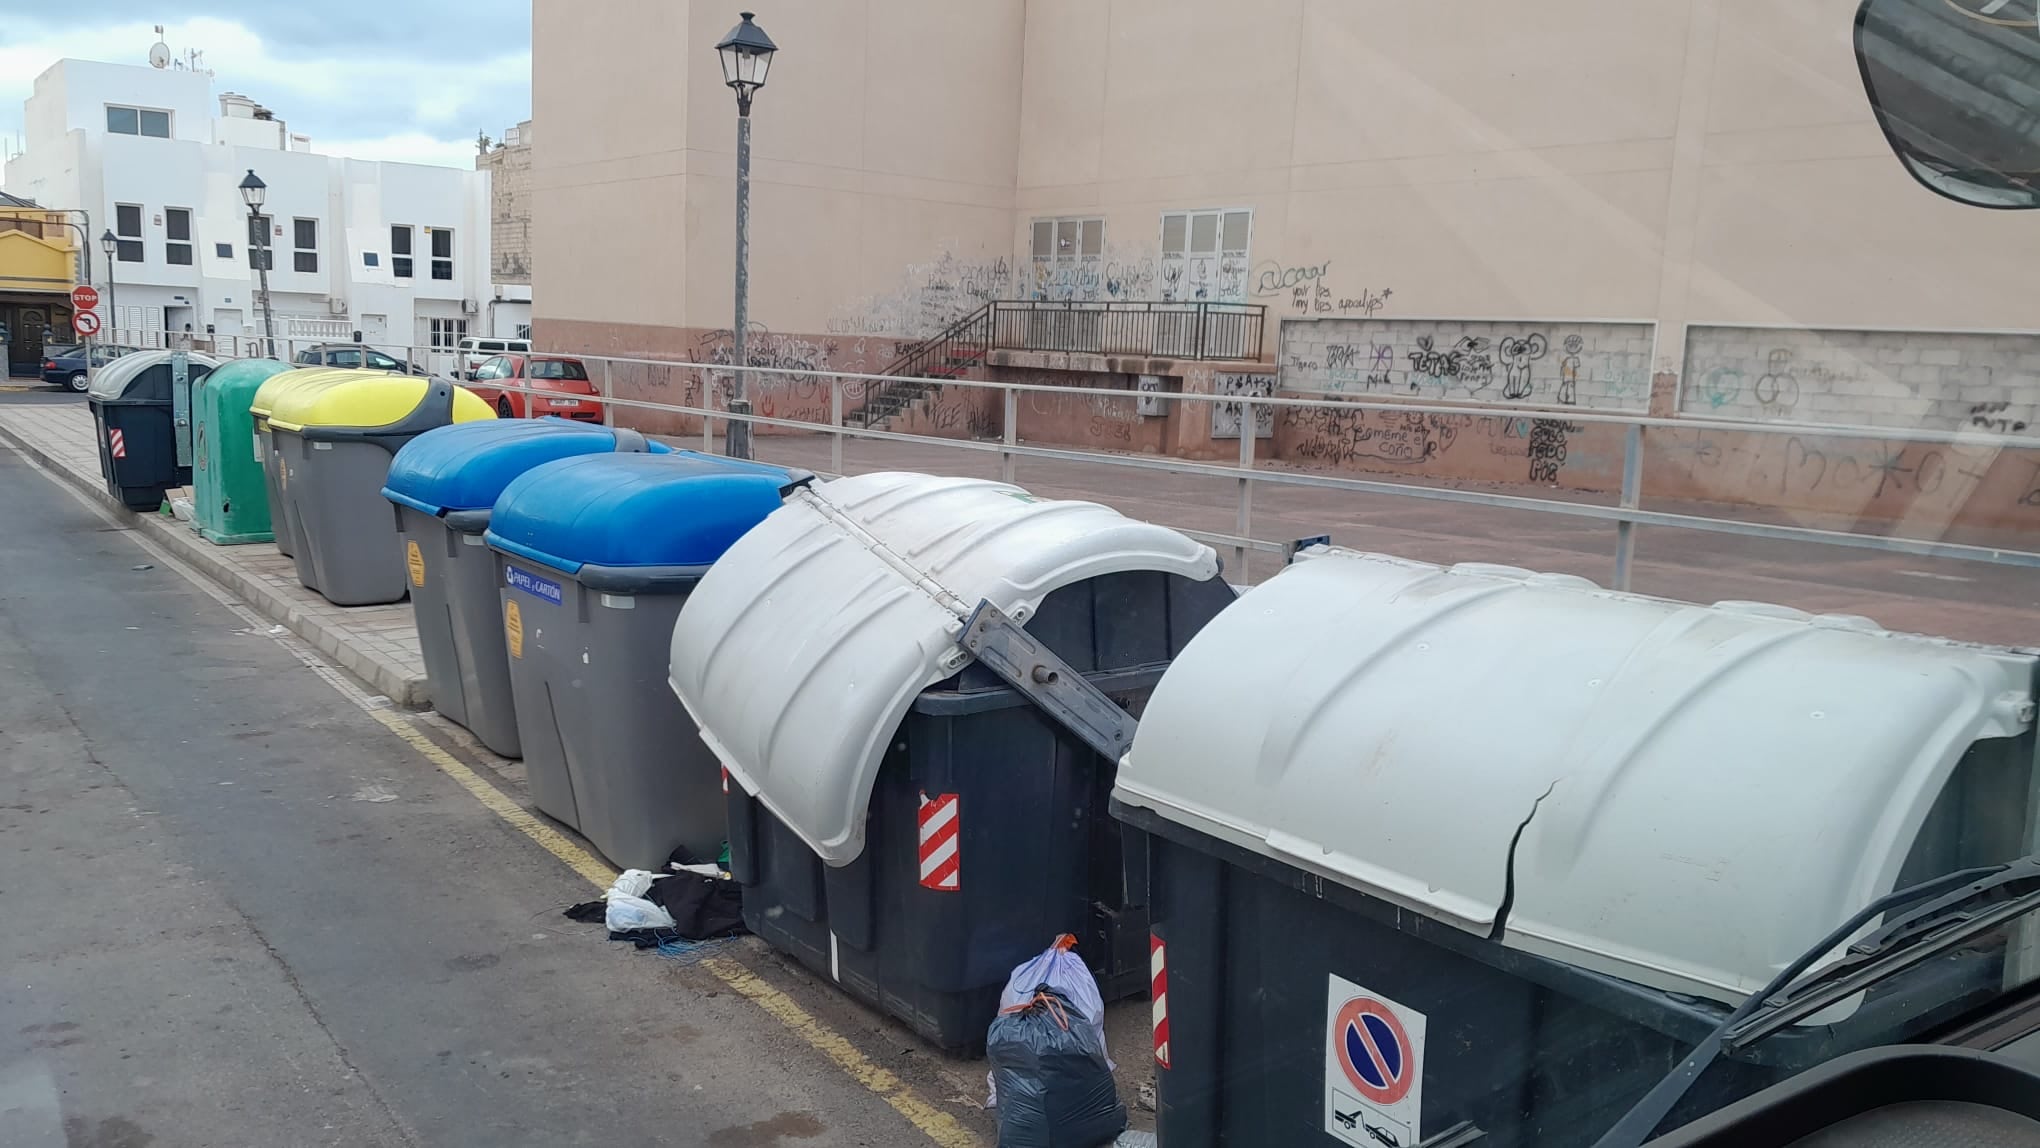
{"x":66,"y":366}
{"x":554,"y":373}
{"x":353,"y":355}
{"x":475,"y":351}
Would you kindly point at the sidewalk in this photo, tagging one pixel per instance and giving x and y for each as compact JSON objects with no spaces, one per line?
{"x":378,"y":644}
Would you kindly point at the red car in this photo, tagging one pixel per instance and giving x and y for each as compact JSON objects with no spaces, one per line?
{"x":549,"y":373}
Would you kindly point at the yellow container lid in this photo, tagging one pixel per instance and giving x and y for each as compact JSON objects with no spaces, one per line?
{"x":276,"y":385}
{"x":365,"y":400}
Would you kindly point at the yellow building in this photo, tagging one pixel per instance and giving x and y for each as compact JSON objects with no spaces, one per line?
{"x":38,"y":267}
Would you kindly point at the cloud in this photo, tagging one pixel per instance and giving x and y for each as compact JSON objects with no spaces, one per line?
{"x":375,"y":79}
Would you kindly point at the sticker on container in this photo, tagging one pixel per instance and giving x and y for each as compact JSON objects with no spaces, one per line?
{"x":1374,"y":1067}
{"x":414,"y":561}
{"x":513,"y":627}
{"x":258,"y":448}
{"x":532,"y":584}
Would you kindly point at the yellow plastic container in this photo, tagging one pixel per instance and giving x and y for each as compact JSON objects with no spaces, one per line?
{"x":334,"y":436}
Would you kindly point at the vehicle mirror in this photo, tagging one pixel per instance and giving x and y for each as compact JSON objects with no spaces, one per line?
{"x":1955,"y":86}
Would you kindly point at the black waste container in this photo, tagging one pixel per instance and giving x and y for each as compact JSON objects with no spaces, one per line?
{"x":1431,"y":846}
{"x":134,"y":416}
{"x":904,"y":822}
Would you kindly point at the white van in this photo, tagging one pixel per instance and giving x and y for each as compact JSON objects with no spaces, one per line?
{"x":474,"y":352}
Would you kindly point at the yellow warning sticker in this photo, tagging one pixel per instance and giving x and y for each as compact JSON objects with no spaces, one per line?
{"x":513,"y":628}
{"x":414,"y":560}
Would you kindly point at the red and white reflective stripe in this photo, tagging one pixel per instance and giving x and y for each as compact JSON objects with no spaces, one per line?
{"x":726,"y":780}
{"x":941,"y":826}
{"x":117,"y":443}
{"x":1158,"y":988}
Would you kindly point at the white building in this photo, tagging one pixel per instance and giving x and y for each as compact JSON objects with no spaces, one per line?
{"x":397,"y":252}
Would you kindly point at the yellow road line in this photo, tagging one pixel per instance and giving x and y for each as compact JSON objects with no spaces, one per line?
{"x":939,"y":1126}
{"x":596,"y":870}
{"x":936,"y":1124}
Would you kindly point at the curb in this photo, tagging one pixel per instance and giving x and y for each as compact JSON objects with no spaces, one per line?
{"x":405,"y":689}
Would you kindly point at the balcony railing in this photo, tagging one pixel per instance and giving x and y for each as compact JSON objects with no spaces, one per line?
{"x":1160,"y":330}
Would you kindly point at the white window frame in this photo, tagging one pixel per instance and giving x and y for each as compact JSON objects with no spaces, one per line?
{"x":125,"y":241}
{"x":1074,"y":258}
{"x":169,"y":121}
{"x":1214,"y":275}
{"x":298,"y":252}
{"x":187,"y":243}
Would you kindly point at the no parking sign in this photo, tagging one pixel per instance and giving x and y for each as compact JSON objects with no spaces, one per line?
{"x":1374,"y":1068}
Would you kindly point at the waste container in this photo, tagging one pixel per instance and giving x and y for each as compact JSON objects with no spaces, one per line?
{"x":596,"y":556}
{"x":334,"y":443}
{"x":444,"y":484}
{"x":902,"y":820}
{"x":228,"y":503}
{"x":1435,"y":845}
{"x":135,"y":416}
{"x":283,"y":520}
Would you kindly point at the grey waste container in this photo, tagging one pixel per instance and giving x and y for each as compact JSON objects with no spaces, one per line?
{"x":444,"y":483}
{"x":334,"y":445}
{"x":903,"y":821}
{"x":596,"y":556}
{"x":1474,"y":844}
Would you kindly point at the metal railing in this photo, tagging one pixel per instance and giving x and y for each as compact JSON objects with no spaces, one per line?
{"x":957,"y":350}
{"x":705,"y":385}
{"x":1159,"y":330}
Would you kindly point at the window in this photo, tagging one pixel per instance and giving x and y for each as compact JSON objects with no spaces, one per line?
{"x":259,"y":254}
{"x":442,"y":253}
{"x":558,"y":369}
{"x":223,"y":250}
{"x":1204,"y":255}
{"x":370,"y":259}
{"x":494,"y":369}
{"x":137,"y":121}
{"x":381,"y":362}
{"x":1066,"y":257}
{"x":26,"y":226}
{"x":177,"y":236}
{"x":447,"y":333}
{"x":305,"y":236}
{"x":400,"y":251}
{"x":350,"y":357}
{"x":127,"y":231}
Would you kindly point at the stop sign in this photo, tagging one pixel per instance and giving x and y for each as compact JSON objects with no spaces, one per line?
{"x":85,"y":297}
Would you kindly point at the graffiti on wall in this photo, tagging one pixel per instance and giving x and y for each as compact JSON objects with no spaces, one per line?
{"x":1225,"y":417}
{"x":1602,"y":365}
{"x":930,"y":297}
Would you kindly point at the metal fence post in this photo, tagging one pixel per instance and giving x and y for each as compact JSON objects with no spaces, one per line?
{"x":1243,"y":527}
{"x":707,"y":404}
{"x":1009,"y":432}
{"x":1632,"y":482}
{"x":608,"y":392}
{"x":836,"y":420}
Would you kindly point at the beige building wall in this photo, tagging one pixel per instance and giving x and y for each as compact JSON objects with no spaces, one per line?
{"x":1486,"y":201}
{"x":509,"y":168}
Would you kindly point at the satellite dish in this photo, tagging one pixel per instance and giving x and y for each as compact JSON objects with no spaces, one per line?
{"x":159,"y":55}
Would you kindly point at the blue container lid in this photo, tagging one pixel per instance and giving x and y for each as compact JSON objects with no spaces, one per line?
{"x":465,"y":466}
{"x":668,"y":517}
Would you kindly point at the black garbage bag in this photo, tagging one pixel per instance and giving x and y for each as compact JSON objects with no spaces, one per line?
{"x":1049,"y":1072}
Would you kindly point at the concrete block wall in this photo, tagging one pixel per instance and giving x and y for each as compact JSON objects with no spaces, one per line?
{"x":1594,"y":366}
{"x":1930,"y":380}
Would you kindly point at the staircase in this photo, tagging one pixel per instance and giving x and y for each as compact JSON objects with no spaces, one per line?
{"x":953,"y":353}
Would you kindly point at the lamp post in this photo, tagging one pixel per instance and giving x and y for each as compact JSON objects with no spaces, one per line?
{"x":109,"y":244}
{"x":253,"y":192}
{"x":746,"y":56}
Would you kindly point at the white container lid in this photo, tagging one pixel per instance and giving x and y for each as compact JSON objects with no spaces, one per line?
{"x":801,"y":650}
{"x":1702,"y":792}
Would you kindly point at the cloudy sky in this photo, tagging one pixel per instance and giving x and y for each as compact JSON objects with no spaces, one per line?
{"x":410,"y":80}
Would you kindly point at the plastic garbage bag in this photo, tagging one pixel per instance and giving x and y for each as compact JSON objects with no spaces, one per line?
{"x":1062,"y":970}
{"x":632,"y":883}
{"x":626,"y":913}
{"x":1051,"y":1081}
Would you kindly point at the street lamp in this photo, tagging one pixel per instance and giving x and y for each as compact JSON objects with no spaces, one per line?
{"x":109,"y":244}
{"x":253,"y":192}
{"x":746,"y":56}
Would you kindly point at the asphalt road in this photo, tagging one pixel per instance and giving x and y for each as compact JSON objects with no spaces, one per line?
{"x":240,"y":911}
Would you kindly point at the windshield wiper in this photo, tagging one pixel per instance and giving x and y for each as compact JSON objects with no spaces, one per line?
{"x":1957,"y":906}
